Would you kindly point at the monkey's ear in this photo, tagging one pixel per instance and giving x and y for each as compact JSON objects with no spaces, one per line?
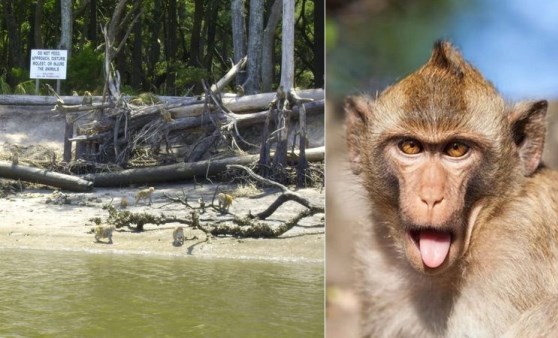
{"x":527,"y":120}
{"x":356,"y":110}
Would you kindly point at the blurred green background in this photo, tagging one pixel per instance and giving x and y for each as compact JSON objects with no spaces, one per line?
{"x":372,"y":43}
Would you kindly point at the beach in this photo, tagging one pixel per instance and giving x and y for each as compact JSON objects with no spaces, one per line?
{"x":42,"y":219}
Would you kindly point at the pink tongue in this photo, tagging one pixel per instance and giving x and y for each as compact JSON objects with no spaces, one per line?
{"x":434,"y":247}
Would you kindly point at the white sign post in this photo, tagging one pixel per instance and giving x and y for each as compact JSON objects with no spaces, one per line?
{"x":49,"y":64}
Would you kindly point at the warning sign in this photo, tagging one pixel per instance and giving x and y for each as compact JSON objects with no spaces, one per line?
{"x":48,"y":64}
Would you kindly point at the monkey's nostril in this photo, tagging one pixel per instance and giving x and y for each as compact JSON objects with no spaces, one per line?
{"x":432,"y":201}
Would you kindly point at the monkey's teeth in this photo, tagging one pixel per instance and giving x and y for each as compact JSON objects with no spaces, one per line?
{"x":434,"y":247}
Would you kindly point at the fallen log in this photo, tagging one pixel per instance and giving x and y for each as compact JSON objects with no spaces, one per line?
{"x":43,"y":176}
{"x":26,"y":109}
{"x":242,"y":120}
{"x":50,"y":101}
{"x":37,"y":100}
{"x":244,"y":103}
{"x":187,"y":106}
{"x":180,"y":171}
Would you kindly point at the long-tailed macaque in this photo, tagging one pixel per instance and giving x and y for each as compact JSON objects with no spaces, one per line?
{"x":463,"y":237}
{"x":145,"y":194}
{"x":104,"y":232}
{"x":225,"y":201}
{"x":178,"y":236}
{"x":123,"y":202}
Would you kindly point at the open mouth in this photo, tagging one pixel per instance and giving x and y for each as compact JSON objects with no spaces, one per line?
{"x":432,"y":244}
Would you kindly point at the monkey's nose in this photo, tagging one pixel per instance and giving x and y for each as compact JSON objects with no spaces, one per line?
{"x":431,"y":196}
{"x":432,"y":200}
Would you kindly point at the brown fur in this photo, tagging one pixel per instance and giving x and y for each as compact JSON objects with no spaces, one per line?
{"x":123,"y":202}
{"x":225,"y":201}
{"x":178,"y":236}
{"x":500,"y":205}
{"x":145,"y":194}
{"x":104,"y":232}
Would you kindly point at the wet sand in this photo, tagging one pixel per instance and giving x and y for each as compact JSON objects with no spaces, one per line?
{"x":28,"y":221}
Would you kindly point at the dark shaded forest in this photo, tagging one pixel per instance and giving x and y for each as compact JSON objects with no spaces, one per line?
{"x":162,"y":46}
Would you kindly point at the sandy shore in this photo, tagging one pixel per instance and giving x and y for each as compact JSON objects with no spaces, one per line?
{"x":29,"y":221}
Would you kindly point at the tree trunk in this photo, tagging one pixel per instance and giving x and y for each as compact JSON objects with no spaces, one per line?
{"x":179,"y":171}
{"x":238,"y":21}
{"x":287,"y":45}
{"x":287,"y":80}
{"x":302,"y":162}
{"x":68,"y":134}
{"x":137,"y":70}
{"x":92,"y":22}
{"x":319,"y":64}
{"x":255,"y":35}
{"x":195,"y":38}
{"x":154,"y":47}
{"x":211,"y":23}
{"x":66,"y":26}
{"x":43,"y":176}
{"x":268,"y":44}
{"x":170,"y":46}
{"x":236,"y":103}
{"x":15,"y":58}
{"x":37,"y":23}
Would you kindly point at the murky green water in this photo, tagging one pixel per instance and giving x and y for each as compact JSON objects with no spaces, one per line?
{"x":68,"y":294}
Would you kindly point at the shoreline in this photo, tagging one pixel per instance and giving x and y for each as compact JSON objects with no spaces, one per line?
{"x":30,"y":222}
{"x":164,"y":255}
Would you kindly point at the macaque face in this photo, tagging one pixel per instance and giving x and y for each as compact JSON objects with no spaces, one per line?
{"x":431,"y":149}
{"x":433,"y":175}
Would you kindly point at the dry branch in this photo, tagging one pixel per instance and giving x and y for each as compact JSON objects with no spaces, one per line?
{"x":242,"y":120}
{"x":42,"y":176}
{"x":286,"y":195}
{"x":222,"y":83}
{"x":246,"y":226}
{"x":126,"y":218}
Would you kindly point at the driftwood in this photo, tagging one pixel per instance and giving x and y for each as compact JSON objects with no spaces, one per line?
{"x":50,"y":101}
{"x":239,"y":226}
{"x":254,"y":225}
{"x":43,"y":176}
{"x":302,"y":165}
{"x":243,"y":103}
{"x":180,"y":171}
{"x":222,"y":83}
{"x":286,"y":195}
{"x":242,"y":120}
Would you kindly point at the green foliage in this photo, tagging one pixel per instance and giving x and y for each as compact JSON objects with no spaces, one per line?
{"x":305,"y":79}
{"x":25,"y":88}
{"x":146,"y":44}
{"x":85,"y":69}
{"x":4,"y":86}
{"x":331,"y":34}
{"x":128,"y":90}
{"x":145,"y":99}
{"x":187,"y":76}
{"x":18,"y":75}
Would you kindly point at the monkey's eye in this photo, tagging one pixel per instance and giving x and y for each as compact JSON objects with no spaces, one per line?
{"x":456,"y":149}
{"x":410,"y":147}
